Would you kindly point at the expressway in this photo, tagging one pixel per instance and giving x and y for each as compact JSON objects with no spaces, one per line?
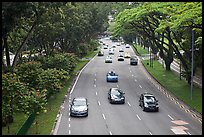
{"x":122,"y":119}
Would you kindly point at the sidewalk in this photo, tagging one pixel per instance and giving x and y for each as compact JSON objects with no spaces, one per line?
{"x":175,"y":67}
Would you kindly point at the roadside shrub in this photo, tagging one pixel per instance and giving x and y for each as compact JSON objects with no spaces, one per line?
{"x":52,"y":80}
{"x":28,"y":72}
{"x":58,"y":61}
{"x":73,"y":60}
{"x":16,"y":96}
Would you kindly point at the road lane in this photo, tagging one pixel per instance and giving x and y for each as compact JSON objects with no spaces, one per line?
{"x":123,"y":119}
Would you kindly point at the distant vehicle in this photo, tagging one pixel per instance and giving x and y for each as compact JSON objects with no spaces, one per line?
{"x":127,"y":46}
{"x":120,"y":57}
{"x":108,"y":59}
{"x":115,"y":95}
{"x":133,"y":60}
{"x":121,"y":50}
{"x":127,"y":55}
{"x":100,"y":53}
{"x":105,"y":47}
{"x":113,"y":46}
{"x":148,"y":102}
{"x":111,"y":52}
{"x":111,"y":76}
{"x":79,"y":107}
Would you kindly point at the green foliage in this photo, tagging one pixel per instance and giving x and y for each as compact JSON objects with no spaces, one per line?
{"x":60,"y":61}
{"x":16,"y":96}
{"x":52,"y":80}
{"x":28,"y":72}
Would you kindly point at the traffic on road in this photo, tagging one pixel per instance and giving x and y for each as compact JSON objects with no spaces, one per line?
{"x":121,"y":100}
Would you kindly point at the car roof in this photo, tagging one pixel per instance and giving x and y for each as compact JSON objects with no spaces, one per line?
{"x":115,"y":89}
{"x":148,"y":94}
{"x":80,"y":98}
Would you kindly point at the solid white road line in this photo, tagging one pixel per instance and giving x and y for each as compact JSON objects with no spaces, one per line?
{"x":140,"y":86}
{"x":57,"y":125}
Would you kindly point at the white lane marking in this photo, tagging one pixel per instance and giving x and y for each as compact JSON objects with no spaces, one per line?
{"x":99,"y":103}
{"x":94,"y":79}
{"x":138,"y":117}
{"x":135,"y":80}
{"x":96,"y":93}
{"x":132,"y":75}
{"x":103,"y":116}
{"x":140,"y":86}
{"x":170,"y":117}
{"x":94,"y":85}
{"x":128,"y":103}
{"x":150,"y":133}
{"x":69,"y":132}
{"x":130,"y":71}
{"x":69,"y":125}
{"x":110,"y":133}
{"x":57,"y":125}
{"x":80,"y":74}
{"x":69,"y":119}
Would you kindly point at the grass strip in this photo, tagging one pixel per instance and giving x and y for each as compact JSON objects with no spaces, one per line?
{"x":180,"y":88}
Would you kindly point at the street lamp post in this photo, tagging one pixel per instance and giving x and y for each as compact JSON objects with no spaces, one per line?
{"x":192,"y":62}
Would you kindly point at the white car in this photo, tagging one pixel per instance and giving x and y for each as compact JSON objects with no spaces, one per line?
{"x":120,"y":57}
{"x":105,"y":47}
{"x":111,"y":52}
{"x":108,"y":59}
{"x":121,"y":50}
{"x":127,"y":46}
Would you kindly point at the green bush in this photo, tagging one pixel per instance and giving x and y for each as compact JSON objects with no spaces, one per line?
{"x":58,"y":61}
{"x":17,"y":97}
{"x":28,"y":72}
{"x":52,"y":80}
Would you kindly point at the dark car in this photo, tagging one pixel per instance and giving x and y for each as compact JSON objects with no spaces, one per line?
{"x":115,"y":95}
{"x":100,"y":53}
{"x":111,"y":77}
{"x":148,"y":102}
{"x":79,"y":107}
{"x":133,"y":60}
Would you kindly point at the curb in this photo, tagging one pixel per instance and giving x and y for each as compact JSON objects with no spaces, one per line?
{"x":172,"y":97}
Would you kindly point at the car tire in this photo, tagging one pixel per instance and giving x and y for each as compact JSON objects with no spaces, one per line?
{"x":144,"y":109}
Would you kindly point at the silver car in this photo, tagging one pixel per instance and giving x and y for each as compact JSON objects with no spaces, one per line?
{"x":79,"y":107}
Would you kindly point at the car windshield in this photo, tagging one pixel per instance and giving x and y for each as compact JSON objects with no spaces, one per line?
{"x":79,"y":103}
{"x":150,"y":99}
{"x":116,"y":92}
{"x":112,"y":73}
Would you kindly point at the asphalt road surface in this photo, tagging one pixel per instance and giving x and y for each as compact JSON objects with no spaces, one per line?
{"x":122,"y":119}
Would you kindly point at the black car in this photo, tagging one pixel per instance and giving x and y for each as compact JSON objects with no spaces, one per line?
{"x":79,"y":107}
{"x":115,"y":95}
{"x":133,"y":60}
{"x":148,"y":102}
